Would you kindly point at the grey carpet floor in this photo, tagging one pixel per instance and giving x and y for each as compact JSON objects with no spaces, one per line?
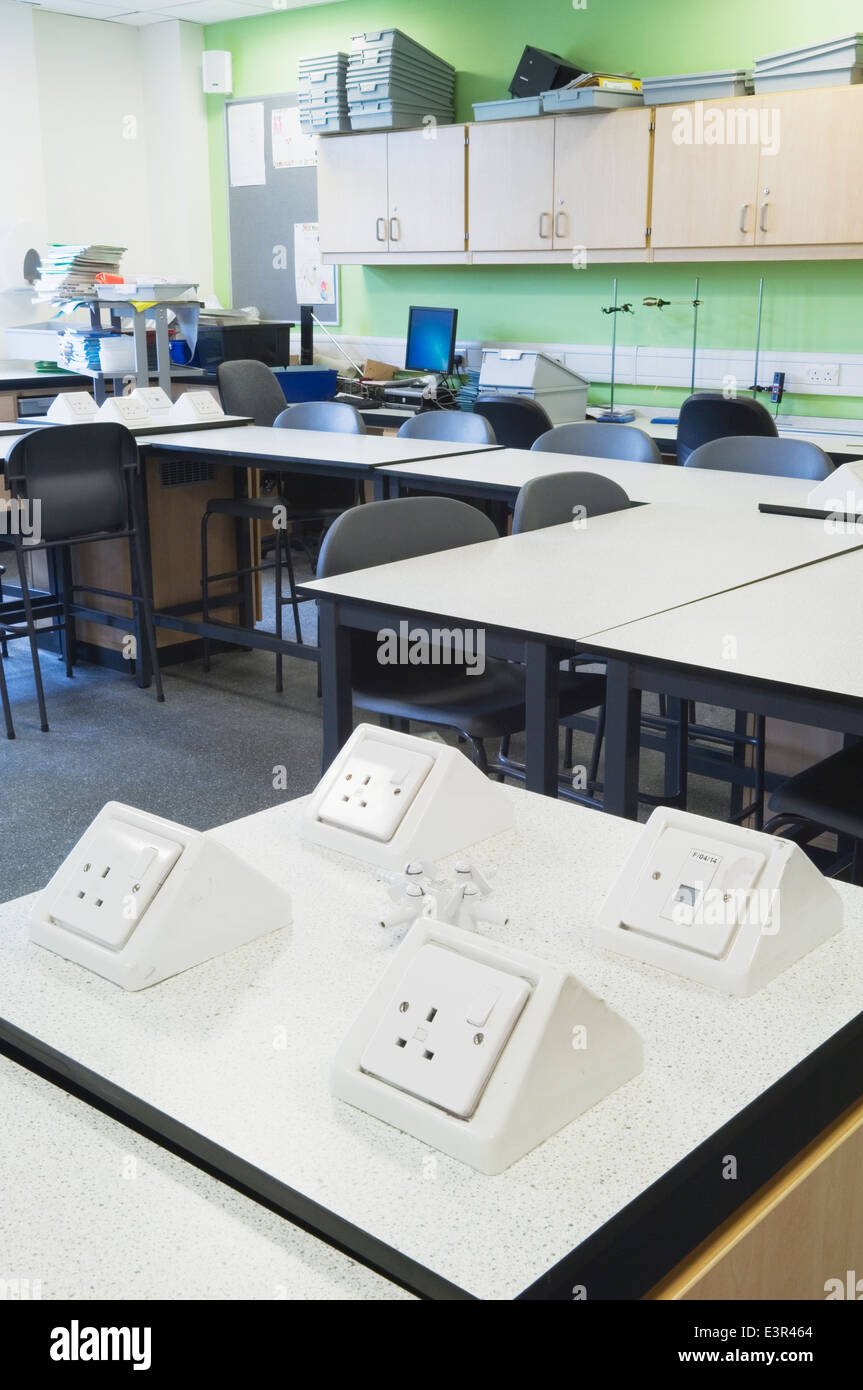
{"x":212,"y":753}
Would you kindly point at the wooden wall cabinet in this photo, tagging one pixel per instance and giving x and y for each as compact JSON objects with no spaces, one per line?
{"x":391,"y":196}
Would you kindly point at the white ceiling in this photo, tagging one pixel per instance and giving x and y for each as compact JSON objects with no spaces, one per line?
{"x":139,"y":12}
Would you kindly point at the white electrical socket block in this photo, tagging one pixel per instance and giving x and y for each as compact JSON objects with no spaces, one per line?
{"x":140,"y":898}
{"x":842,"y":492}
{"x":125,"y":410}
{"x":152,"y":399}
{"x":389,"y":798}
{"x":716,"y":903}
{"x":72,"y":408}
{"x":196,"y":407}
{"x":480,"y":1051}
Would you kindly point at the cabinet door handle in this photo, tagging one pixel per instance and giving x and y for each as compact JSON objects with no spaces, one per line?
{"x":762,"y":221}
{"x":557,"y":223}
{"x":395,"y":229}
{"x":381,"y":234}
{"x":542,"y":217}
{"x":742,"y":223}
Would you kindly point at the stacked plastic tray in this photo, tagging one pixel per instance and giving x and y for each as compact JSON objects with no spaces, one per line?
{"x":323,"y":97}
{"x":696,"y":86}
{"x":393,"y":83}
{"x":837,"y":63}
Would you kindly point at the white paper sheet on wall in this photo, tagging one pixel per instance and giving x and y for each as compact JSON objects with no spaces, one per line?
{"x":246,"y":159}
{"x":292,"y":147}
{"x":316,"y":283}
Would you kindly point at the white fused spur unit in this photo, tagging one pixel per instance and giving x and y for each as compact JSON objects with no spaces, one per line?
{"x":719,"y":904}
{"x":125,"y":410}
{"x":842,"y":492}
{"x":72,"y":408}
{"x":154,"y":400}
{"x":195,"y":408}
{"x":140,"y":898}
{"x":480,"y":1051}
{"x":390,"y":798}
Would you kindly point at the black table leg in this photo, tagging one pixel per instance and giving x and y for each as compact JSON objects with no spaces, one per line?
{"x":335,"y":646}
{"x":542,"y":700}
{"x":622,"y":741}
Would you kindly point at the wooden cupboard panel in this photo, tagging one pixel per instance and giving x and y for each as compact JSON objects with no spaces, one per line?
{"x":352,"y":193}
{"x":511,"y":185}
{"x":602,"y":180}
{"x":704,"y":193}
{"x":426,"y":176}
{"x":811,"y":189}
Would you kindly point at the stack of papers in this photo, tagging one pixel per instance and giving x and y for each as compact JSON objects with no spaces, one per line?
{"x":69,"y":272}
{"x":79,"y":350}
{"x":610,"y":81}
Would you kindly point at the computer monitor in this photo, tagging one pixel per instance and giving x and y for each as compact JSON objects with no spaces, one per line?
{"x":431,"y":340}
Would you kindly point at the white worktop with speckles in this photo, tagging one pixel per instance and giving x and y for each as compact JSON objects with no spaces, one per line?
{"x":240,"y":1048}
{"x":91,"y":1210}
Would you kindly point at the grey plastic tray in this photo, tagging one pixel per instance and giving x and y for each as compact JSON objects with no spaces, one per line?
{"x":378,"y":43}
{"x":510,"y":108}
{"x":384,"y":115}
{"x":845,"y":52}
{"x":803,"y":81}
{"x":696,"y":86}
{"x":587,"y":99}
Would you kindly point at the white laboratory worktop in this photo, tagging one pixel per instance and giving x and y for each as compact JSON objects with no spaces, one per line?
{"x":313,"y":446}
{"x":510,"y":469}
{"x":240,"y":1049}
{"x":91,"y":1210}
{"x":568,"y":582}
{"x":834,"y":435}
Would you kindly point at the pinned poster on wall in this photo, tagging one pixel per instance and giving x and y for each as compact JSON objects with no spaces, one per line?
{"x":292,"y":147}
{"x":246,"y":144}
{"x":316,"y":283}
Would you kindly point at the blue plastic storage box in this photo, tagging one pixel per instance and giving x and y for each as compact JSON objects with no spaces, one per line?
{"x":308,"y":383}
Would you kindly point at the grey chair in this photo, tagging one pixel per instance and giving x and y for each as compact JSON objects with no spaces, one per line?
{"x":453,"y":426}
{"x":478,"y":706}
{"x":331,"y":417}
{"x":776,"y":458}
{"x":825,"y":797}
{"x":308,"y":505}
{"x":708,"y":415}
{"x":599,"y":440}
{"x":516,"y":420}
{"x":250,"y":388}
{"x":552,"y":499}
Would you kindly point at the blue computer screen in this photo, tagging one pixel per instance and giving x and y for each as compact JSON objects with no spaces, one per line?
{"x":431,"y":340}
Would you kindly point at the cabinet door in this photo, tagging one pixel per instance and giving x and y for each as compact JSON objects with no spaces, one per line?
{"x":705,"y":187}
{"x":426,"y":190}
{"x":601,"y":180}
{"x":352,"y":193}
{"x":511,"y":185}
{"x":810,"y":178}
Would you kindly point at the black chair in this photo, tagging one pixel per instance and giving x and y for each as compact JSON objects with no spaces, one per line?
{"x":86,"y":482}
{"x":453,"y":426}
{"x":309,"y":506}
{"x":478,"y":706}
{"x":776,"y":458}
{"x":828,"y":796}
{"x":708,"y":415}
{"x":596,"y":439}
{"x":517,"y":421}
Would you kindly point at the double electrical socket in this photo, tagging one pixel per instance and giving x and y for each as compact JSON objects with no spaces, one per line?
{"x":389,"y":798}
{"x":72,"y":408}
{"x":719,"y":904}
{"x":195,"y":407}
{"x":141,"y":898}
{"x":478,"y":1050}
{"x":827,"y":374}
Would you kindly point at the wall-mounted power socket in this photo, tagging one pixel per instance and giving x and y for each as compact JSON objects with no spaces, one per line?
{"x":825,"y":375}
{"x":716,"y":903}
{"x":140,"y":898}
{"x":389,"y":798}
{"x":478,"y":1050}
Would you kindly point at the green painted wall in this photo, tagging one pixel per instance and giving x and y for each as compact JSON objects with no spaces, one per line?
{"x":808,"y":306}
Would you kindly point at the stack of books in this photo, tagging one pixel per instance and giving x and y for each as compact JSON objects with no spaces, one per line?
{"x":69,"y":272}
